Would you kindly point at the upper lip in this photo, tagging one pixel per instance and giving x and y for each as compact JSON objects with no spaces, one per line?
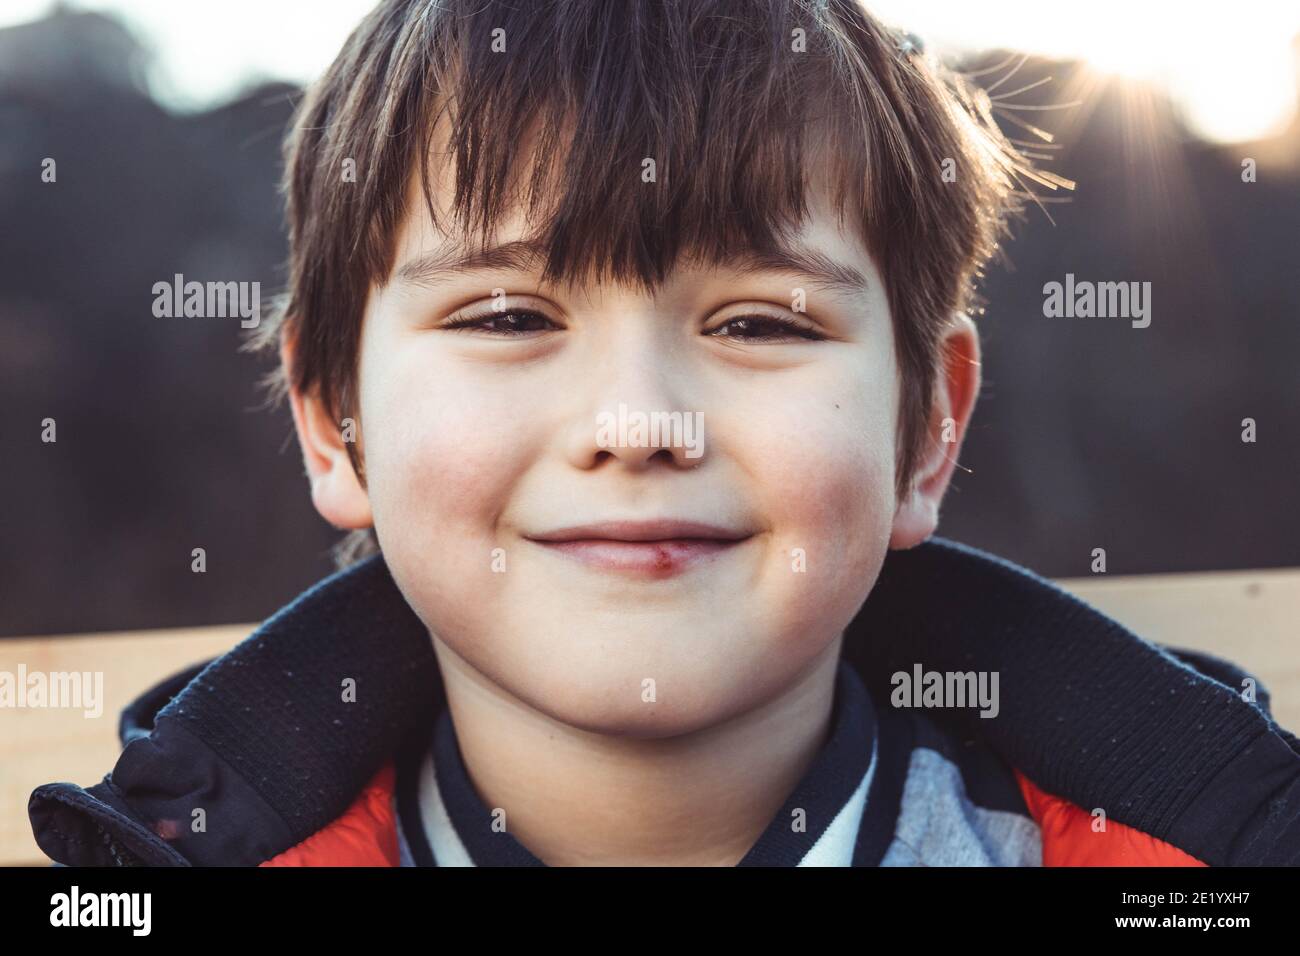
{"x":658,"y":530}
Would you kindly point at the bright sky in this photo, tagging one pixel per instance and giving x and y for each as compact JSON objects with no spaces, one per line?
{"x":1231,"y":66}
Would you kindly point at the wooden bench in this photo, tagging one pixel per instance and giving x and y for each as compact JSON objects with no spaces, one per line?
{"x":1249,"y":617}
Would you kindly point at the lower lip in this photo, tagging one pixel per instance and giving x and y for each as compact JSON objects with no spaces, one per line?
{"x":653,"y":558}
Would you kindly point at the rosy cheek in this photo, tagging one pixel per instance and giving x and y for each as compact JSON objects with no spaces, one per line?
{"x":823,"y":464}
{"x":835,"y":507}
{"x":435,"y":459}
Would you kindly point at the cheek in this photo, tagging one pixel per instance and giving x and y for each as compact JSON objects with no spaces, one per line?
{"x":439,"y":464}
{"x":825,"y":465}
{"x":826,"y":480}
{"x":836,"y":491}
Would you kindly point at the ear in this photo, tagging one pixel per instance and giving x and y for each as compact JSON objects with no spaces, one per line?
{"x":958,"y":383}
{"x":335,"y":490}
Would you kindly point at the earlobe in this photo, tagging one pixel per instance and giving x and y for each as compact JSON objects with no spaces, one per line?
{"x":956,"y":387}
{"x":336,"y":492}
{"x":915,"y":519}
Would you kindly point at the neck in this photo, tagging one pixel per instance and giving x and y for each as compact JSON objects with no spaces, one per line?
{"x":578,"y":798}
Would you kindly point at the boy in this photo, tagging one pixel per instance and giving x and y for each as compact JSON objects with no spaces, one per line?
{"x":629,"y":341}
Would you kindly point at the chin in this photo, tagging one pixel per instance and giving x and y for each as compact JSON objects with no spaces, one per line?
{"x":608,"y":699}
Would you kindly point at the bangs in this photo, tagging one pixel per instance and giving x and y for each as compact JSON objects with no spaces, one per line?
{"x":629,"y":135}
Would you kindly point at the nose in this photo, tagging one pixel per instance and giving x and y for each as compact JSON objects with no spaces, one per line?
{"x":635,"y":415}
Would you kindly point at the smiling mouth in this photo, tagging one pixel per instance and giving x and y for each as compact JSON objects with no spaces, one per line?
{"x":653,"y":549}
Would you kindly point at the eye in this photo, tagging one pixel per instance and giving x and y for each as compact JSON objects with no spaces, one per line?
{"x":762,"y":328}
{"x":513,"y":322}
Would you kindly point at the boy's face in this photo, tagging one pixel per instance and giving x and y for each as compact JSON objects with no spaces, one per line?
{"x":483,"y":445}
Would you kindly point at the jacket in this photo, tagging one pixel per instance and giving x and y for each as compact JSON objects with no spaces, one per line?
{"x":294,"y":733}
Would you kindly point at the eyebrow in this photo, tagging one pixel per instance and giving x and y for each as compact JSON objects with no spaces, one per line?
{"x":827,"y":273}
{"x":436,"y":268}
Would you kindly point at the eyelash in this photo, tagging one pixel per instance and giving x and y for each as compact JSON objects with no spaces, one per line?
{"x":788,"y":328}
{"x":472,"y":321}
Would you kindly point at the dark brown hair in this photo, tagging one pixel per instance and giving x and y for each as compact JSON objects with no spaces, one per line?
{"x":738,"y":102}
